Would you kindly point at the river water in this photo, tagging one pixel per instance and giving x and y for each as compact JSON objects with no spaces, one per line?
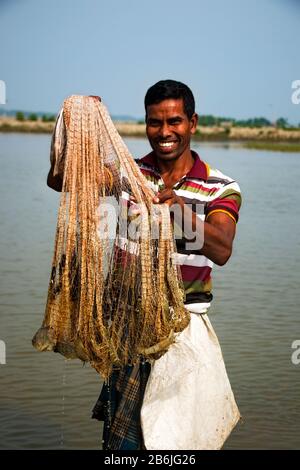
{"x":46,"y":401}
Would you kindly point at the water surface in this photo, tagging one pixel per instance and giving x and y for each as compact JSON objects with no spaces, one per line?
{"x":46,"y":402}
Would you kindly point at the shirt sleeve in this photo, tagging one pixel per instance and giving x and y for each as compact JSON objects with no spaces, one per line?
{"x":227,"y":199}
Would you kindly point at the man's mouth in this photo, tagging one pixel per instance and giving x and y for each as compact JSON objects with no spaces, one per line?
{"x":167,"y":145}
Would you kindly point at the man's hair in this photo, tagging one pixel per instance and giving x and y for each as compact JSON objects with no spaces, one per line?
{"x":171,"y":89}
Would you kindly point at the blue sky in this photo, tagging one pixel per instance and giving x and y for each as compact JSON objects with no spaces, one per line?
{"x":239,"y":57}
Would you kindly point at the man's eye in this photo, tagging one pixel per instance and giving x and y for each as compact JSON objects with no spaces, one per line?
{"x":153,"y":123}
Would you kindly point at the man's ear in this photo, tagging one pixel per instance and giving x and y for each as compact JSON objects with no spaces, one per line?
{"x":194,"y":123}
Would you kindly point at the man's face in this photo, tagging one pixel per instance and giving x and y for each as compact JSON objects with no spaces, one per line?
{"x":169,"y":130}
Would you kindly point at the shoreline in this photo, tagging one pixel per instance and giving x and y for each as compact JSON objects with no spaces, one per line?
{"x":263,"y":138}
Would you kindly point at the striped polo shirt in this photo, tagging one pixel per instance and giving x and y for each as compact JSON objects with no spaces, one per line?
{"x":206,"y":191}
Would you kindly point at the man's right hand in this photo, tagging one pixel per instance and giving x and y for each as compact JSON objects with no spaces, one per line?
{"x":54,"y":182}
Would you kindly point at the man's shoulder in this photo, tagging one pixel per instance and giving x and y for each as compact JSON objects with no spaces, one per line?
{"x":217,"y":176}
{"x":148,"y":167}
{"x":147,"y":161}
{"x":217,"y":181}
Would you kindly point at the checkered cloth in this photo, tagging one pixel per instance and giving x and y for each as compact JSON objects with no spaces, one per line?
{"x":119,"y":406}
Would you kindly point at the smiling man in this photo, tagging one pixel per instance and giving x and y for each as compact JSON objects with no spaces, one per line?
{"x":138,"y":407}
{"x":179,"y":175}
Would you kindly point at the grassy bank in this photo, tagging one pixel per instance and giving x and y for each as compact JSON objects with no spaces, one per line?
{"x":274,"y":146}
{"x":267,"y":138}
{"x":37,"y":127}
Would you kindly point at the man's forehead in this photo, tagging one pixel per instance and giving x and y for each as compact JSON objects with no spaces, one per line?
{"x":167,"y":107}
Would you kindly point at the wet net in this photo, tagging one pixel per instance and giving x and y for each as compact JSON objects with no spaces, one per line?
{"x":115,"y":295}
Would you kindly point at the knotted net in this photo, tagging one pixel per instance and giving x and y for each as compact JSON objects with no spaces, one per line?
{"x":114,"y":295}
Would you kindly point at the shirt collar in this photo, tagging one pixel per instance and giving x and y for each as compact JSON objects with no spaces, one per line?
{"x":199,"y":170}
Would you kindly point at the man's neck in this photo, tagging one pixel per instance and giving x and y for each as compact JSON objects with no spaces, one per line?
{"x":174,"y":170}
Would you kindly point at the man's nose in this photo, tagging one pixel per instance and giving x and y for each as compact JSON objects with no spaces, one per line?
{"x":164,"y":130}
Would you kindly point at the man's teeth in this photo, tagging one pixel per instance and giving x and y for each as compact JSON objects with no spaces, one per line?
{"x":166,"y":144}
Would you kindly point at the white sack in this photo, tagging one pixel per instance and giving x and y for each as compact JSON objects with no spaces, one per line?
{"x":188,"y":402}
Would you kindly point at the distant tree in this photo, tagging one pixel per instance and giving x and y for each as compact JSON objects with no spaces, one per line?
{"x":48,"y":117}
{"x":282,"y":123}
{"x":261,"y":122}
{"x":208,"y":120}
{"x":20,"y":116}
{"x":32,"y":117}
{"x":254,"y":122}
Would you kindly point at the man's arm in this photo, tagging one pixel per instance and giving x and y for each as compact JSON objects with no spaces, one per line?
{"x":217,"y":233}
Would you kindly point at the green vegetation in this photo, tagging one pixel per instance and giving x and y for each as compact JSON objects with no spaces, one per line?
{"x":273,"y":146}
{"x":48,"y":118}
{"x":32,"y":117}
{"x":208,"y":120}
{"x":20,"y":116}
{"x":282,"y":123}
{"x":253,"y":122}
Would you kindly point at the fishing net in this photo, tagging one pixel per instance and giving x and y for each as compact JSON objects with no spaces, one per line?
{"x":114,"y":295}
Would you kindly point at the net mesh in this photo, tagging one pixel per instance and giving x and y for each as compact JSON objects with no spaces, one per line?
{"x":115,"y":294}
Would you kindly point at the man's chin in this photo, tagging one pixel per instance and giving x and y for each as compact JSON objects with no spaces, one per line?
{"x":167,"y":157}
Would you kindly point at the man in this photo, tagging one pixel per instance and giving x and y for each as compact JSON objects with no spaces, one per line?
{"x":209,"y":203}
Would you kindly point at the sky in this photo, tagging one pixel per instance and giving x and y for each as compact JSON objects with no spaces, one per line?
{"x":239,"y":57}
